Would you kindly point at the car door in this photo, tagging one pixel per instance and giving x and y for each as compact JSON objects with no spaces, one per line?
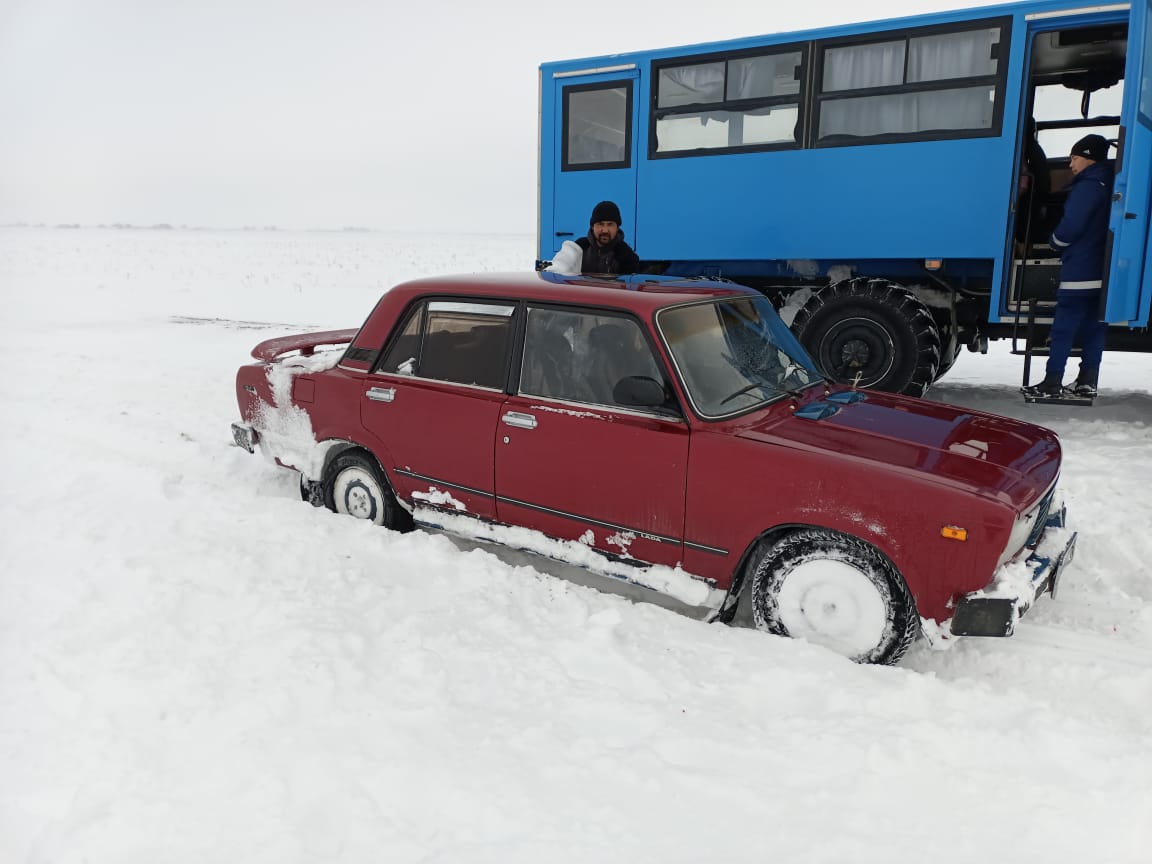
{"x":435,"y":398}
{"x":574,"y":463}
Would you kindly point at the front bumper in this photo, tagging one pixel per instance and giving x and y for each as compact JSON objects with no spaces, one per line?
{"x":244,"y":436}
{"x":995,"y":611}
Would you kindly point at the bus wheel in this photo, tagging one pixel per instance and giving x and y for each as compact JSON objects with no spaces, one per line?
{"x":873,"y":331}
{"x":949,"y":351}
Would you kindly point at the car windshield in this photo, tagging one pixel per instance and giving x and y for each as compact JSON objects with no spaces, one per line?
{"x":734,"y":354}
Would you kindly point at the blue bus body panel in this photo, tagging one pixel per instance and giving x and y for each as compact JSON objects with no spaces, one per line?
{"x":855,"y":202}
{"x":804,"y":210}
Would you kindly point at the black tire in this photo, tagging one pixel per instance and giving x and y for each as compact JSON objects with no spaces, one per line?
{"x":837,"y":591}
{"x":355,"y":486}
{"x":948,"y":357}
{"x":872,"y":328}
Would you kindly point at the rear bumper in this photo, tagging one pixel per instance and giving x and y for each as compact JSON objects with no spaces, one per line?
{"x":244,"y":436}
{"x":994,"y":611}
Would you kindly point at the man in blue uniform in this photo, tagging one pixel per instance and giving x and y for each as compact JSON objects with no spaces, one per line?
{"x":1080,"y":239}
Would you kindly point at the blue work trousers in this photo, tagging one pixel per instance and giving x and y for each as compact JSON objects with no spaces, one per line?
{"x":1075,"y":322}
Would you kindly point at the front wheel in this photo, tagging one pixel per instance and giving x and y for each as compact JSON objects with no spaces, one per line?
{"x":836,"y":591}
{"x":354,"y":485}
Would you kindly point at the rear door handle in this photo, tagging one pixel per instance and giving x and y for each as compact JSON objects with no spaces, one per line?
{"x":518,"y":420}
{"x":381,"y":394}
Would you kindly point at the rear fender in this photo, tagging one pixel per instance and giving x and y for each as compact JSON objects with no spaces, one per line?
{"x":333,"y":447}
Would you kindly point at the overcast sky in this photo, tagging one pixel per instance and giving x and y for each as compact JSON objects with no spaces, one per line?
{"x":418,"y":115}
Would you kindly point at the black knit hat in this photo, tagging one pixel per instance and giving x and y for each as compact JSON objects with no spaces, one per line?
{"x":605,"y":211}
{"x":1094,"y":147}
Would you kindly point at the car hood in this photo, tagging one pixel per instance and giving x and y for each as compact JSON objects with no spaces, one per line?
{"x":1002,"y":458}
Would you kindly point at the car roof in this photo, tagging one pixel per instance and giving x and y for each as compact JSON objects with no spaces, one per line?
{"x":640,"y":292}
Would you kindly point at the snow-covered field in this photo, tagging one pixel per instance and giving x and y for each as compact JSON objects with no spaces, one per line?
{"x":196,"y":666}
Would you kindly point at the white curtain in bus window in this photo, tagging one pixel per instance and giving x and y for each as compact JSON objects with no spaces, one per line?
{"x":711,"y":130}
{"x":597,"y":126}
{"x":952,"y":55}
{"x":716,"y":84}
{"x":863,"y":66}
{"x":700,"y":84}
{"x":909,"y":113}
{"x":765,"y":75}
{"x":908,"y":65}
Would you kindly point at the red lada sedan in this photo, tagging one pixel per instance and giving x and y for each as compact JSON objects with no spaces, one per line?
{"x":673,"y":435}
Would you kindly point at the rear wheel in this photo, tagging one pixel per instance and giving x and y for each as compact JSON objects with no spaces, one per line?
{"x":871,"y":332}
{"x":949,"y":351}
{"x":354,"y":485}
{"x":837,"y":591}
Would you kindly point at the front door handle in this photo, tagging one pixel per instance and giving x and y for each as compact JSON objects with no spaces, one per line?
{"x":381,"y":394}
{"x":520,"y":421}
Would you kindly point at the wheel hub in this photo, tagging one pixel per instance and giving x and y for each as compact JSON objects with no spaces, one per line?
{"x":857,"y":346}
{"x":833,"y":603}
{"x":359,"y":502}
{"x":855,"y":354}
{"x":357,"y":494}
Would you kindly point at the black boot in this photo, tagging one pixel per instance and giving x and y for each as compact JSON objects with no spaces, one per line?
{"x":1049,"y":388}
{"x":1084,"y":387}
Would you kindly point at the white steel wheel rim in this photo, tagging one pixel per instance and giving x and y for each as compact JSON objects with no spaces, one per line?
{"x":357,"y":494}
{"x":833,"y":604}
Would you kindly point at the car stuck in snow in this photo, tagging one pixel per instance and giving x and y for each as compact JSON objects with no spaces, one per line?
{"x":672,"y":435}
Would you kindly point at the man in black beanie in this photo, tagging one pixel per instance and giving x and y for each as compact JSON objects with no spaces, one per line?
{"x":603,"y":251}
{"x":1080,"y":239}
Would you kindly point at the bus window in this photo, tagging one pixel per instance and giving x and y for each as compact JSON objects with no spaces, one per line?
{"x":597,"y":123}
{"x":745,"y":101}
{"x":1055,"y":103}
{"x":914,"y":87}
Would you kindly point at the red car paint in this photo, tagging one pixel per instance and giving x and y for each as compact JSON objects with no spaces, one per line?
{"x":692,"y":490}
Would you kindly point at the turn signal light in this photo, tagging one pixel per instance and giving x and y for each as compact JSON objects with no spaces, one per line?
{"x":933,"y":264}
{"x":951,"y":532}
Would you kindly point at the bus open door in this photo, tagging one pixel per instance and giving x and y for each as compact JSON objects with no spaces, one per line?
{"x":1128,"y":289}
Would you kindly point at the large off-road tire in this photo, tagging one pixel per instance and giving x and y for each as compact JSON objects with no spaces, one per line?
{"x":949,"y":351}
{"x":873,"y":329}
{"x":836,"y":591}
{"x":355,"y":486}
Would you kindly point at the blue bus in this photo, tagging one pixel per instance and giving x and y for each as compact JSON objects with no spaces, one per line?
{"x":891,"y":185}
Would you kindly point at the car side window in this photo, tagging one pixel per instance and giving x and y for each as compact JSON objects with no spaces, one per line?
{"x":463,"y":342}
{"x":401,"y":357}
{"x":582,"y":356}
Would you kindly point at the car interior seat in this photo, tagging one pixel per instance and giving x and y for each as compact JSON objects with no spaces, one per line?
{"x":613,"y":356}
{"x":547,"y":360}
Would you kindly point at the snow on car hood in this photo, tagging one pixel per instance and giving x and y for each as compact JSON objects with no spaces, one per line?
{"x":996,"y":456}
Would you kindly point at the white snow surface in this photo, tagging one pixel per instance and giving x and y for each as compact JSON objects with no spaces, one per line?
{"x":197,"y":666}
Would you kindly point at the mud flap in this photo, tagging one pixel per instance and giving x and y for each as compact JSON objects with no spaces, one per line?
{"x":997,"y":616}
{"x":985,"y":616}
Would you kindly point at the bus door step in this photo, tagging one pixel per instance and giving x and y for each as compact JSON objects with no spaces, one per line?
{"x":1082,"y":401}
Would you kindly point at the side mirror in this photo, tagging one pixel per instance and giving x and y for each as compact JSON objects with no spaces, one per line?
{"x":639,"y":391}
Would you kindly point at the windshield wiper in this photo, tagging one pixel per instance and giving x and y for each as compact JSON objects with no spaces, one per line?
{"x":748,"y":388}
{"x":764,"y":385}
